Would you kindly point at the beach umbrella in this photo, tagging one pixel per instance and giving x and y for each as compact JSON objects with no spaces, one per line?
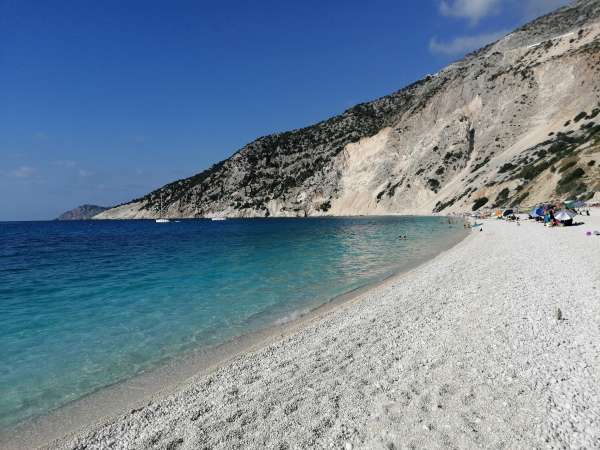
{"x":537,"y":212}
{"x":564,"y":215}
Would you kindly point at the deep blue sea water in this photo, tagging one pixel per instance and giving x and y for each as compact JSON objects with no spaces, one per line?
{"x":86,"y":304}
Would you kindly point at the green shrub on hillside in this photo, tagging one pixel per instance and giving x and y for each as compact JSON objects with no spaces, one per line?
{"x":433,"y":184}
{"x":506,"y":167}
{"x":570,"y":183}
{"x":531,"y":171}
{"x":567,"y":166}
{"x":326,"y":206}
{"x":479,"y":203}
{"x":519,"y":199}
{"x":502,"y":196}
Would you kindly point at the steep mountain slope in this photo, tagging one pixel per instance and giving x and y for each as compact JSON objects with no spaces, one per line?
{"x":83,"y":212}
{"x":512,"y":123}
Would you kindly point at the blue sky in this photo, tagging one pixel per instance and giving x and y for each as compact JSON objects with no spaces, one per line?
{"x":101,"y":102}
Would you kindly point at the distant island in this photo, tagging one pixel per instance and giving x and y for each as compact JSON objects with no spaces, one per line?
{"x":83,"y":212}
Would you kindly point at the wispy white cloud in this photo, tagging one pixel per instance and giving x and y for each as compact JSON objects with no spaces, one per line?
{"x":24,"y":172}
{"x":464,"y":44}
{"x":85,"y":173}
{"x":70,"y":164}
{"x":474,"y":10}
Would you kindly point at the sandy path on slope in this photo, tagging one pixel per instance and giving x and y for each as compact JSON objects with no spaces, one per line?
{"x":465,"y":352}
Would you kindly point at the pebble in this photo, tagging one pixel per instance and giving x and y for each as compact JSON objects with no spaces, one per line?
{"x":449,"y":352}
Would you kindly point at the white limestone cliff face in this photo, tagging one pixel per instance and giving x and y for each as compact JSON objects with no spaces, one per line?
{"x":512,"y":123}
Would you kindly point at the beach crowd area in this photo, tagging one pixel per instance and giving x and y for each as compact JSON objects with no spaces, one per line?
{"x":495,"y":343}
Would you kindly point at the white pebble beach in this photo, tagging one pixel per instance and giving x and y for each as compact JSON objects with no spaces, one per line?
{"x":465,"y":351}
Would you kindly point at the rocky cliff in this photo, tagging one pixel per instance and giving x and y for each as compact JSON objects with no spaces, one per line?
{"x":511,"y":124}
{"x":83,"y":212}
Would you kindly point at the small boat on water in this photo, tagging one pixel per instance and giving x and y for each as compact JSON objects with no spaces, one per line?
{"x":218,"y":219}
{"x":161,"y":219}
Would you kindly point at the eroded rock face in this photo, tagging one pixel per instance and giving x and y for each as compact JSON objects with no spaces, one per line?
{"x":515,"y":122}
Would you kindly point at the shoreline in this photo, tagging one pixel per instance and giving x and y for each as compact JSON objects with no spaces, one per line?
{"x":105,"y":404}
{"x":465,"y":351}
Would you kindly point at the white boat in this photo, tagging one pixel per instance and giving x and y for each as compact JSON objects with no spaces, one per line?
{"x":160,"y":212}
{"x":218,"y":219}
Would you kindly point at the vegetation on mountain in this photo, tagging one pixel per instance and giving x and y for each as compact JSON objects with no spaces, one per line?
{"x":83,"y":212}
{"x":467,"y":133}
{"x":479,"y":203}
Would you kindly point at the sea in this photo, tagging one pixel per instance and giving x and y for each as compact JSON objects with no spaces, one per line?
{"x":87,"y":304}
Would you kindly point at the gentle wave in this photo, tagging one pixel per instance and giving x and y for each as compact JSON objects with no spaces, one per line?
{"x":85,"y":305}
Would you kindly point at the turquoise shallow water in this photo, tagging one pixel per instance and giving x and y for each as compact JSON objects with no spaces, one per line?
{"x":86,"y":304}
